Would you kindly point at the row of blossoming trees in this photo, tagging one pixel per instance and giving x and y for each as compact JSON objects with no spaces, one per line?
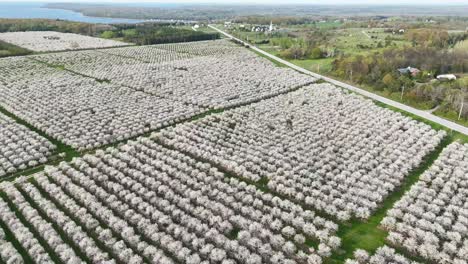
{"x":382,"y":255}
{"x":431,"y":220}
{"x":144,"y":203}
{"x":21,"y":148}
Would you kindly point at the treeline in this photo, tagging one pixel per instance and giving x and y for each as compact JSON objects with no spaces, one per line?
{"x":157,"y":34}
{"x":182,"y":13}
{"x":13,"y":25}
{"x":379,"y":70}
{"x":277,"y":20}
{"x":371,"y":69}
{"x":141,"y":34}
{"x":438,"y":38}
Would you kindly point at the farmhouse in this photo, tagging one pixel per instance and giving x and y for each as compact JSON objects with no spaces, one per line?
{"x":409,"y":70}
{"x":264,"y":28}
{"x":227,"y":24}
{"x":261,"y":28}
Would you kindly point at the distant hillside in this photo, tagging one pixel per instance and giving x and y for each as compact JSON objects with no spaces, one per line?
{"x":213,"y":12}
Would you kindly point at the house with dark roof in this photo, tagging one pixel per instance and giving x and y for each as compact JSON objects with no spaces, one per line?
{"x":409,"y":70}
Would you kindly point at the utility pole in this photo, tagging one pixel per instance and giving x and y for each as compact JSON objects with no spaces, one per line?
{"x":462,"y":104}
{"x":402,"y":92}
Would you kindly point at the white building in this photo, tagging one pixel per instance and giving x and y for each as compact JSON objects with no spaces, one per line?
{"x":446,"y":77}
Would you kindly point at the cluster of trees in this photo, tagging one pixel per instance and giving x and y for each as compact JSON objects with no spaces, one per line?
{"x":430,"y":37}
{"x":431,"y":219}
{"x":296,"y":52}
{"x":15,"y":25}
{"x":305,"y":46}
{"x":281,"y":140}
{"x":142,"y":34}
{"x":379,"y":70}
{"x":277,"y":20}
{"x":372,"y":68}
{"x":300,"y":49}
{"x":383,"y":254}
{"x":21,"y":148}
{"x":148,"y":34}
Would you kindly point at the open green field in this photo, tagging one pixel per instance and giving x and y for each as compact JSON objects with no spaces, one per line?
{"x":361,"y":41}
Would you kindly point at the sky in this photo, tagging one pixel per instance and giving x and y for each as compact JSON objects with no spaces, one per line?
{"x":340,"y":2}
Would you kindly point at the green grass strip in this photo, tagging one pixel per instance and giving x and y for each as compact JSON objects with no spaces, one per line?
{"x":61,"y":147}
{"x":367,"y":235}
{"x":10,"y":237}
{"x":55,"y":258}
{"x":77,"y":221}
{"x":63,"y":236}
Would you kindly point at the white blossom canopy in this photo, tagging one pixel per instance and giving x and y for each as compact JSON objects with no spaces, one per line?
{"x":431,"y":220}
{"x":56,"y":41}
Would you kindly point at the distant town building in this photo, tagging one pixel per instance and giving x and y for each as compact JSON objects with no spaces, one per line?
{"x":264,"y":28}
{"x":446,"y":77}
{"x":399,"y":31}
{"x":409,"y":70}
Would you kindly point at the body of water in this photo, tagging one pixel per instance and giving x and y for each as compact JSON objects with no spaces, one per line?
{"x":35,"y":10}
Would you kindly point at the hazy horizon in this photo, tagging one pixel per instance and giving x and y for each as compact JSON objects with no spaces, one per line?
{"x":259,"y":2}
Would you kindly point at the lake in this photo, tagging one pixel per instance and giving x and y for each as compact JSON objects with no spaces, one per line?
{"x":35,"y":10}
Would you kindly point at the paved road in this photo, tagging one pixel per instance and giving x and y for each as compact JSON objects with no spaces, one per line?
{"x":421,"y":113}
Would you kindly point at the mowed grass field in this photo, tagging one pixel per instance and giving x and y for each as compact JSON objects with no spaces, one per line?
{"x":359,"y":40}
